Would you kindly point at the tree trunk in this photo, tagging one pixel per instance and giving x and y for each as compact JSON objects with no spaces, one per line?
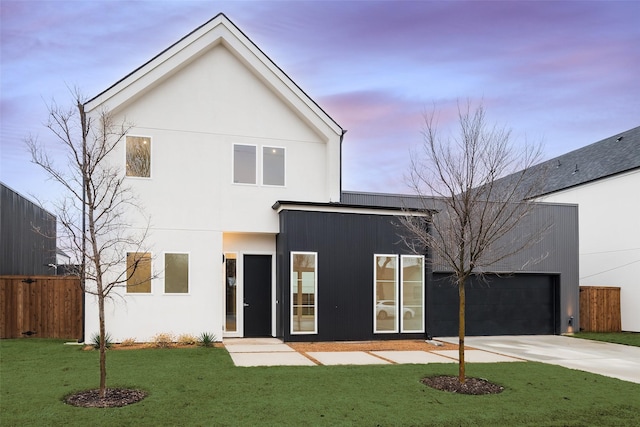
{"x":461,"y":325}
{"x":103,"y":349}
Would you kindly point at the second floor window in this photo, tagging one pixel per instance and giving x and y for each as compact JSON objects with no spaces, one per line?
{"x":244,"y":164}
{"x":138,"y":156}
{"x":247,"y":158}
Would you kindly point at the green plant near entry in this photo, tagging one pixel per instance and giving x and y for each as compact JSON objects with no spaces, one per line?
{"x":201,"y":386}
{"x":207,"y":339}
{"x":162,"y":340}
{"x":95,"y":340}
{"x":626,"y":338}
{"x":186,"y":339}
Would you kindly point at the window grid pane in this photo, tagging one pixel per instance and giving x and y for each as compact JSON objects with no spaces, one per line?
{"x":138,"y":162}
{"x":303,"y":293}
{"x":272,"y":166}
{"x":176,"y":273}
{"x":138,"y":272}
{"x":386,"y":299}
{"x":412,"y":293}
{"x":244,"y":164}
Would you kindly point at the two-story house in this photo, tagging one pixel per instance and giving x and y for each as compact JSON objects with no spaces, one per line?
{"x":251,"y":235}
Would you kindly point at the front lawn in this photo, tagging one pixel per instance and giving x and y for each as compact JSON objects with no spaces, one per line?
{"x":627,"y":338}
{"x":200,"y":386}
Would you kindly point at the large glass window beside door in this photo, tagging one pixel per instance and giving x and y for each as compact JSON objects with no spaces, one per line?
{"x":412,"y":291}
{"x":230,"y":280}
{"x":304,"y":288}
{"x":386,"y":293}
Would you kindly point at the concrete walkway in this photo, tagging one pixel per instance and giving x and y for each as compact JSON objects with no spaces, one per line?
{"x":273,"y":352}
{"x":611,"y":360}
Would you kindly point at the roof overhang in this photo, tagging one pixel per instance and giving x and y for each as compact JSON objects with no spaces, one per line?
{"x":282,"y":205}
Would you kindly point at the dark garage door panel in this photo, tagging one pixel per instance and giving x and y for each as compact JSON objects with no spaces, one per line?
{"x":518,"y":305}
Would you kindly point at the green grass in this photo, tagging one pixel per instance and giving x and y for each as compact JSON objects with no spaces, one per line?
{"x":627,"y":338}
{"x":200,"y":386}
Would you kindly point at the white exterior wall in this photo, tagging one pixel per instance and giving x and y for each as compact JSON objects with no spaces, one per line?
{"x":610,"y":238}
{"x":194,"y":108}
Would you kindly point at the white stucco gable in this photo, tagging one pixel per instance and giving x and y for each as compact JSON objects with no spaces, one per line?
{"x":220,"y":37}
{"x":219,"y":30}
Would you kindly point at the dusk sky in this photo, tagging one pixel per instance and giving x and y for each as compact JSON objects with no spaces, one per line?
{"x":566,"y":73}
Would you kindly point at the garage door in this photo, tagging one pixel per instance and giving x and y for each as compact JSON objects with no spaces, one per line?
{"x":517,"y":305}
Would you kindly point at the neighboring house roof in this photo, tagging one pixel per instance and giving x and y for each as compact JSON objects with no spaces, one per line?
{"x":218,"y":30}
{"x":614,"y":155}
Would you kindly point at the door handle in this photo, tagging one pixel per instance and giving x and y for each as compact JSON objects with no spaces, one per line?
{"x":246,"y":305}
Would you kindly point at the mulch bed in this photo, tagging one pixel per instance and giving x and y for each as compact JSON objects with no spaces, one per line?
{"x":115,"y":397}
{"x":474,"y":386}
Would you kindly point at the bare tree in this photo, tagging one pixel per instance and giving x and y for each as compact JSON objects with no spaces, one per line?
{"x":472,"y":213}
{"x":93,"y":214}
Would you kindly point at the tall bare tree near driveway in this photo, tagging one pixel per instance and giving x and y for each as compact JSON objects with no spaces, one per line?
{"x":473,"y":213}
{"x":95,"y":213}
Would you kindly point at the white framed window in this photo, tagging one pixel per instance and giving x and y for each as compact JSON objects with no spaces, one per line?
{"x":138,"y":156}
{"x":138,"y":272}
{"x":176,"y":273}
{"x":412,"y":292}
{"x":303,"y":292}
{"x":385,"y":291}
{"x":273,"y":166}
{"x":399,"y":294}
{"x":244,"y":164}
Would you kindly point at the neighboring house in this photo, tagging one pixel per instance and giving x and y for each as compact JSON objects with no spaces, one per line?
{"x":27,"y":236}
{"x":251,"y":234}
{"x":604,"y":180}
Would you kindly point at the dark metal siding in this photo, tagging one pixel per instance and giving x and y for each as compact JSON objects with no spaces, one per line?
{"x":556,"y":254}
{"x":23,"y":250}
{"x":345,"y":244}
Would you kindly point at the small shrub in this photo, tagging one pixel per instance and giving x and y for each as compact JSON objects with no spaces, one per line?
{"x":187,"y":339}
{"x":95,"y":340}
{"x":163,"y":340}
{"x":128,"y":342}
{"x":207,"y":339}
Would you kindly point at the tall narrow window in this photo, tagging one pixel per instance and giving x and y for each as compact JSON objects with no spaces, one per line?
{"x":244,"y":164}
{"x":231,"y":275}
{"x":138,"y":272}
{"x":272,"y":166}
{"x":138,"y":156}
{"x":176,"y":273}
{"x":412,"y":285}
{"x":304,"y":288}
{"x":386,"y":293}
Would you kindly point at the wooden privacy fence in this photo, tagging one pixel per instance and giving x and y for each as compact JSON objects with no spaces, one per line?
{"x":41,"y":306}
{"x":600,"y":309}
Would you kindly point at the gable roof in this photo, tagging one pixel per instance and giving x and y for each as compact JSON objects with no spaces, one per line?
{"x":218,"y":30}
{"x":611,"y":156}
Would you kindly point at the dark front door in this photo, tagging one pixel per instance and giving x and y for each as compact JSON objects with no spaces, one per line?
{"x":257,"y":295}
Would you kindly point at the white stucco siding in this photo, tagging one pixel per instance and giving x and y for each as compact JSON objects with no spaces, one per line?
{"x":141,"y":316}
{"x":194,"y":117}
{"x":194,"y":101}
{"x":610,"y":238}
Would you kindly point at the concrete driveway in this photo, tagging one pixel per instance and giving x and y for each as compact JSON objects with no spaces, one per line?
{"x":611,"y":360}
